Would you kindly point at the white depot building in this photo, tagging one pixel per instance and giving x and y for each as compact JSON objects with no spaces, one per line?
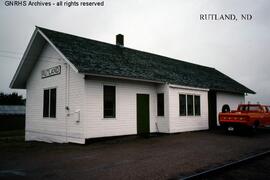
{"x":78,"y":88}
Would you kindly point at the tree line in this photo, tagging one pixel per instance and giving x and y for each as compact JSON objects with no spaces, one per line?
{"x":11,"y":99}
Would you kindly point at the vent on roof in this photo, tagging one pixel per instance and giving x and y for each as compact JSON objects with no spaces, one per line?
{"x":120,"y":40}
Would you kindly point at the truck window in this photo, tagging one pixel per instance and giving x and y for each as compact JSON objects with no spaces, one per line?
{"x":250,"y":108}
{"x":254,"y":108}
{"x":243,"y":108}
{"x":265,"y":108}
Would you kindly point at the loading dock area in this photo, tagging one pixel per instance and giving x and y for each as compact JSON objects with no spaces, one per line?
{"x":130,"y":157}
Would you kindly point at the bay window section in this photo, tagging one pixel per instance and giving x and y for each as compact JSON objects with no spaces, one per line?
{"x":189,"y":105}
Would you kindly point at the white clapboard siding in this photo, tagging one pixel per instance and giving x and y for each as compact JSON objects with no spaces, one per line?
{"x":75,"y":98}
{"x":84,"y":97}
{"x":163,"y":121}
{"x":125,"y":122}
{"x":233,"y":100}
{"x":51,"y":129}
{"x":187,"y":123}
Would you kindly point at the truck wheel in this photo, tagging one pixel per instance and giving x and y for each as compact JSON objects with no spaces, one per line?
{"x":255,"y":126}
{"x":225,"y":108}
{"x":230,"y":128}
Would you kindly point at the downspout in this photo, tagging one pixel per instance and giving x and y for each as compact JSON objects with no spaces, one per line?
{"x":168,"y":107}
{"x":66,"y":99}
{"x":83,"y":108}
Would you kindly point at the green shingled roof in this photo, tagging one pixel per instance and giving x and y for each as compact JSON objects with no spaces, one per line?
{"x":94,"y":57}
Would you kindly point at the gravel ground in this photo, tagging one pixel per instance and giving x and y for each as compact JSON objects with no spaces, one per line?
{"x":162,"y":157}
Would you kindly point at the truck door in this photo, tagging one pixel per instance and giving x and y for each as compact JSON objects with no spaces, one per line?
{"x":267,"y":118}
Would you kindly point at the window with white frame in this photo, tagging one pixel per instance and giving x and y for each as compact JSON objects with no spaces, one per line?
{"x":189,"y":105}
{"x":49,"y":103}
{"x":109,"y":101}
{"x":182,"y":105}
{"x":160,"y":104}
{"x":197,"y":105}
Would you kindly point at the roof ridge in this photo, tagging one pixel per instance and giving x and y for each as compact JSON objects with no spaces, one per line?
{"x":74,"y":35}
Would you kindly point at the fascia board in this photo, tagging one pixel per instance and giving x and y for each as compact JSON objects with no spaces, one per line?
{"x":57,"y":50}
{"x":23,"y":58}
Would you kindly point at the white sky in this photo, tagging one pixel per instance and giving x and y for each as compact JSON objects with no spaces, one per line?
{"x":172,"y":28}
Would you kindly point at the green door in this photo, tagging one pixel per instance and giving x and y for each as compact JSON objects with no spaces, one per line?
{"x":143,"y":114}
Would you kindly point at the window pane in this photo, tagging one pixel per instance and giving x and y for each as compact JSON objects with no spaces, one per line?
{"x":254,"y":108}
{"x":190,"y":105}
{"x":109,"y":101}
{"x":182,"y":104}
{"x":53,"y":103}
{"x":160,"y":104}
{"x":243,"y":108}
{"x":46,"y":103}
{"x":197,"y":105}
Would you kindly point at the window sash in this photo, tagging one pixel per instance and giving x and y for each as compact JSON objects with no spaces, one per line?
{"x":160,"y":104}
{"x":49,"y":103}
{"x":190,"y":108}
{"x":109,"y":102}
{"x":182,"y":105}
{"x":46,"y":102}
{"x":189,"y":105}
{"x":53,"y":103}
{"x":197,"y":104}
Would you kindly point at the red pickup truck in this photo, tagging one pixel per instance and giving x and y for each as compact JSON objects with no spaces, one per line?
{"x":246,"y":115}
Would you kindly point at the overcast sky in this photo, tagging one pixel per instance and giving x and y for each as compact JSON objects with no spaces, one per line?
{"x":240,"y":49}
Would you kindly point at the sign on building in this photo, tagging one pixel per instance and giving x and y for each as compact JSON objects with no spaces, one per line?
{"x":51,"y":72}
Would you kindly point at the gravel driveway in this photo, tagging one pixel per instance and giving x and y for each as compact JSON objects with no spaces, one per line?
{"x":161,"y":157}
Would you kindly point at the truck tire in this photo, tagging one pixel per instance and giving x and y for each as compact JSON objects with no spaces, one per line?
{"x":255,"y":126}
{"x":226,"y":108}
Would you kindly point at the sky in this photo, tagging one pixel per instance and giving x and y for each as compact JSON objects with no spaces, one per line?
{"x":239,"y":49}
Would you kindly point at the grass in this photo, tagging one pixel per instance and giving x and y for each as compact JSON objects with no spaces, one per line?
{"x":14,"y":141}
{"x":10,"y":139}
{"x":11,"y":133}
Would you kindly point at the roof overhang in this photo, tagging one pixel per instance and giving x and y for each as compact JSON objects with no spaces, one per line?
{"x":234,"y":92}
{"x":57,"y":50}
{"x":187,"y":87}
{"x":87,"y":75}
{"x":30,"y":57}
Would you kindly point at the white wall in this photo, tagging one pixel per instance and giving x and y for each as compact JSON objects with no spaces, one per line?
{"x":233,"y":100}
{"x":187,"y":123}
{"x":61,"y":128}
{"x":163,"y":121}
{"x":86,"y":96}
{"x":125,"y":122}
{"x":75,"y":102}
